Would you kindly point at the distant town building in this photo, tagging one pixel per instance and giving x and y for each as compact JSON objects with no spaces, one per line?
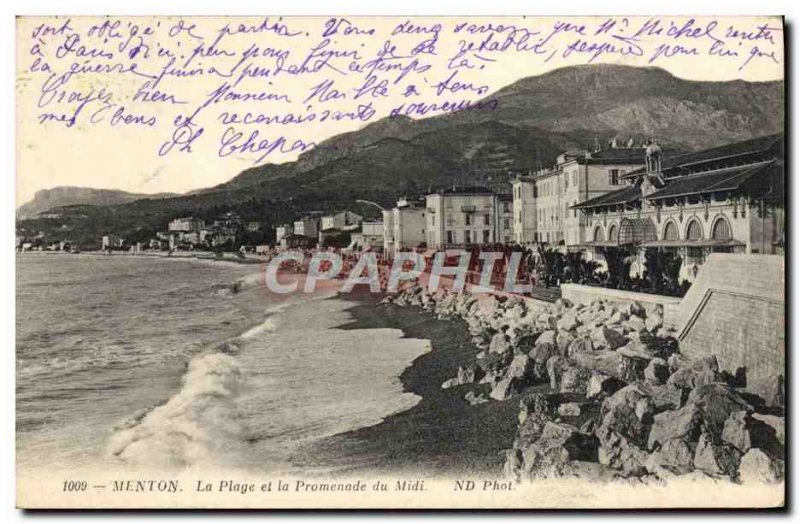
{"x":542,"y":201}
{"x":344,"y":220}
{"x":307,"y":227}
{"x":186,"y":224}
{"x":404,"y":226}
{"x":461,"y":216}
{"x":505,"y":218}
{"x":370,"y":237}
{"x":112,"y":241}
{"x":283,"y":231}
{"x":254,"y":227}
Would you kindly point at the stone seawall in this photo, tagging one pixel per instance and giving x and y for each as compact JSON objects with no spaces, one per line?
{"x":736,"y":311}
{"x":580,"y":294}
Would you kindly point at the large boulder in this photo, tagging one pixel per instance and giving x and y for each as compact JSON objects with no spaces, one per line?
{"x":563,"y":340}
{"x":539,"y":356}
{"x":558,"y":445}
{"x":626,"y":413}
{"x":475,"y":398}
{"x":657,"y":371}
{"x":744,"y":431}
{"x":665,"y":397}
{"x":716,"y":403}
{"x":613,"y":338}
{"x":555,"y":369}
{"x":778,"y":424}
{"x":601,"y":385}
{"x":574,"y":380}
{"x":757,"y":466}
{"x":569,"y":409}
{"x":499,"y":344}
{"x":675,"y":456}
{"x":547,"y":337}
{"x":692,"y":373}
{"x":619,"y":453}
{"x":567,"y":322}
{"x":506,"y":388}
{"x":684,"y":423}
{"x":634,"y":323}
{"x":521,"y":367}
{"x":603,"y":361}
{"x":653,"y":321}
{"x":579,"y":345}
{"x":536,"y":403}
{"x":469,"y":374}
{"x":716,"y":458}
{"x":530,"y":429}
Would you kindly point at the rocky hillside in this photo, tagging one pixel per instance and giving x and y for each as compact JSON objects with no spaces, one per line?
{"x":536,"y":119}
{"x":539,"y":116}
{"x":61,"y":196}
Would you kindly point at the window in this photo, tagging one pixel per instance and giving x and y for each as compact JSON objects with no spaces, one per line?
{"x":613,"y":177}
{"x":575,"y":178}
{"x":468,"y":219}
{"x":450,"y":237}
{"x":721,"y":230}
{"x":694,"y":231}
{"x":486,"y":220}
{"x":612,"y":233}
{"x":468,"y":237}
{"x":506,"y":224}
{"x":671,"y":231}
{"x":598,"y":234}
{"x":433,"y":220}
{"x":506,"y":207}
{"x":485,"y":236}
{"x":566,"y":182}
{"x":566,"y":209}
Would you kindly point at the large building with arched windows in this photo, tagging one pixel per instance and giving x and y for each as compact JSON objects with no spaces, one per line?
{"x":726,"y":199}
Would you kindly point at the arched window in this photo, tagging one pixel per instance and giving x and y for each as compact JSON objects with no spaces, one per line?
{"x":694,"y":231}
{"x":612,"y":233}
{"x":598,"y":234}
{"x":671,"y":231}
{"x":721,"y":230}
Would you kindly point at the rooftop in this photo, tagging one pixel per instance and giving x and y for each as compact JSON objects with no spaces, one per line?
{"x":629,"y":194}
{"x":464,"y":190}
{"x":726,"y":179}
{"x":696,"y":160}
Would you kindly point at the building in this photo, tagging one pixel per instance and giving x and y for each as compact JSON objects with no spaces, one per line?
{"x":404,"y":226}
{"x":505,"y":218}
{"x":186,"y":224}
{"x":254,"y":227}
{"x":542,"y":201}
{"x":344,"y":221}
{"x":112,"y":241}
{"x":461,"y":216}
{"x":283,"y":231}
{"x":370,"y":237}
{"x":726,"y":199}
{"x":307,"y":227}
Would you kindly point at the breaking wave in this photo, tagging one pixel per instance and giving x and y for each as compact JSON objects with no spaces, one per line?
{"x":199,"y":425}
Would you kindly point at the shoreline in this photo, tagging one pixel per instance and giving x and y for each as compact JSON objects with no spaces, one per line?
{"x":442,"y":435}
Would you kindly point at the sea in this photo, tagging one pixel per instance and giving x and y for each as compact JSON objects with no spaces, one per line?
{"x":174,"y":363}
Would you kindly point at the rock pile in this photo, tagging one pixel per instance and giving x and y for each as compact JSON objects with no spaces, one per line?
{"x":605,"y":393}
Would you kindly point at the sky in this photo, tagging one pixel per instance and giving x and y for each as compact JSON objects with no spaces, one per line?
{"x":132,"y":136}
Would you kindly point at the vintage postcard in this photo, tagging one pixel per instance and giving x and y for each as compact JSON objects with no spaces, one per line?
{"x":400,"y":262}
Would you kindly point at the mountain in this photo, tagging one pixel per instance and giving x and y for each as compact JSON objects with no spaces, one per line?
{"x":534,"y":119}
{"x":62,"y":196}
